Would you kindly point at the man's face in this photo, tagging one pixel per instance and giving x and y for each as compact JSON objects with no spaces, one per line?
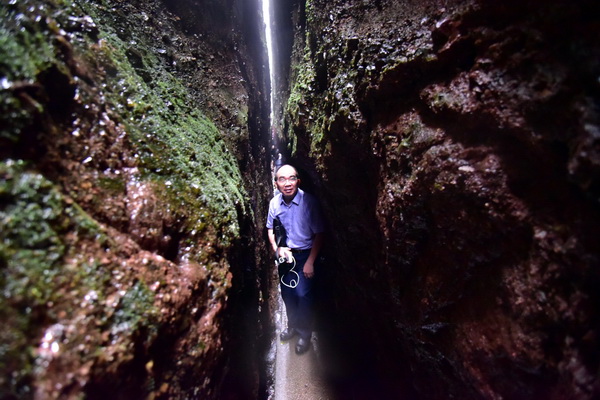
{"x":287,"y":181}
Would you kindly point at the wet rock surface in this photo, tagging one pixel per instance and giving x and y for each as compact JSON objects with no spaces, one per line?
{"x":454,"y":146}
{"x":132,"y":173}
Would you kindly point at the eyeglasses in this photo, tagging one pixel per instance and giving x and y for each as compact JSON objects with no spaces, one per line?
{"x":283,"y":179}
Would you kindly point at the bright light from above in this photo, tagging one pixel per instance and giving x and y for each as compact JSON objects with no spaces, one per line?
{"x":266,"y":7}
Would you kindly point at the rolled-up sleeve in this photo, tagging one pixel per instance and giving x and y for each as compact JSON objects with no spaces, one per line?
{"x":270,"y":216}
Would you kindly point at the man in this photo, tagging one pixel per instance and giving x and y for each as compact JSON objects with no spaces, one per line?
{"x":301,"y":218}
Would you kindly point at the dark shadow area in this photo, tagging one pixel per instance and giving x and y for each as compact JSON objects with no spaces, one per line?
{"x":349,"y":346}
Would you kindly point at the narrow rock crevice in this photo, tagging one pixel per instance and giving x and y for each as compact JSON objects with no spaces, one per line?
{"x":453,"y":146}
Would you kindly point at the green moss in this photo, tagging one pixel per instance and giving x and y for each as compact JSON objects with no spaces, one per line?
{"x":318,"y":131}
{"x":43,"y":265}
{"x":135,"y":311}
{"x":179,"y":147}
{"x":44,"y":260}
{"x":440,"y":101}
{"x":413,"y":129}
{"x":114,"y":185}
{"x":25,"y":51}
{"x":36,"y":219}
{"x":200,"y":345}
{"x":303,"y":76}
{"x":242,"y":116}
{"x":30,"y":241}
{"x":311,"y":15}
{"x":35,"y":216}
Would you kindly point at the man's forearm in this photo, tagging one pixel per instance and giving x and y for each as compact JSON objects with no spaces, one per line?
{"x":271,"y":236}
{"x":316,"y":247}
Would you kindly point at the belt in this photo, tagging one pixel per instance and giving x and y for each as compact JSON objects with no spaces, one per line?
{"x":300,"y":250}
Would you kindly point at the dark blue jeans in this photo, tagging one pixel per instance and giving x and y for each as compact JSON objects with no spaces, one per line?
{"x":299,"y":301}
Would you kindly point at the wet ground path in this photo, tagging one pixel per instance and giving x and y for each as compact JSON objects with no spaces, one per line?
{"x":296,"y":377}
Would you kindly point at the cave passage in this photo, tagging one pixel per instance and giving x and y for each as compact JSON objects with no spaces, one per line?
{"x":453,"y":146}
{"x":293,"y":376}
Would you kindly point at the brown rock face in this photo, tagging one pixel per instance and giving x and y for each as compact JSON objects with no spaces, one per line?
{"x":132,"y":171}
{"x":454,"y":146}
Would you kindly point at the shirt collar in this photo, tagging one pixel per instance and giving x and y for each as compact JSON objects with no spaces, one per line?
{"x":297,"y":198}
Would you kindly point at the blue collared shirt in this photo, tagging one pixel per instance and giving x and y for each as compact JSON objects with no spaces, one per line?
{"x":302,"y":219}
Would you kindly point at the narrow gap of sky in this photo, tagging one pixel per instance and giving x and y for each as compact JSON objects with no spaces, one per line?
{"x":266,"y":11}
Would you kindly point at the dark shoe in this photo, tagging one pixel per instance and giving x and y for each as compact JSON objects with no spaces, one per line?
{"x":302,"y":346}
{"x":287,"y":334}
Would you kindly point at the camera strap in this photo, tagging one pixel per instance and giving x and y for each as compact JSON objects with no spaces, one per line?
{"x":285,"y":267}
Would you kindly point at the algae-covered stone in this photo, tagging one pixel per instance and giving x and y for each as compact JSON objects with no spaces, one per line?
{"x":121,"y":199}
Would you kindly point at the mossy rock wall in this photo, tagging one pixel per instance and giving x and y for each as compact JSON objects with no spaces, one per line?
{"x":132,"y":171}
{"x":454,"y":146}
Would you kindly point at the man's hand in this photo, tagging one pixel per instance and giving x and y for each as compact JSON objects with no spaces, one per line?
{"x":284,"y":252}
{"x":309,"y":269}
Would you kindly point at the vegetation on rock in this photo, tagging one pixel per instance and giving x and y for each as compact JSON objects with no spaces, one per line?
{"x":122,"y":202}
{"x":454,"y":150}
